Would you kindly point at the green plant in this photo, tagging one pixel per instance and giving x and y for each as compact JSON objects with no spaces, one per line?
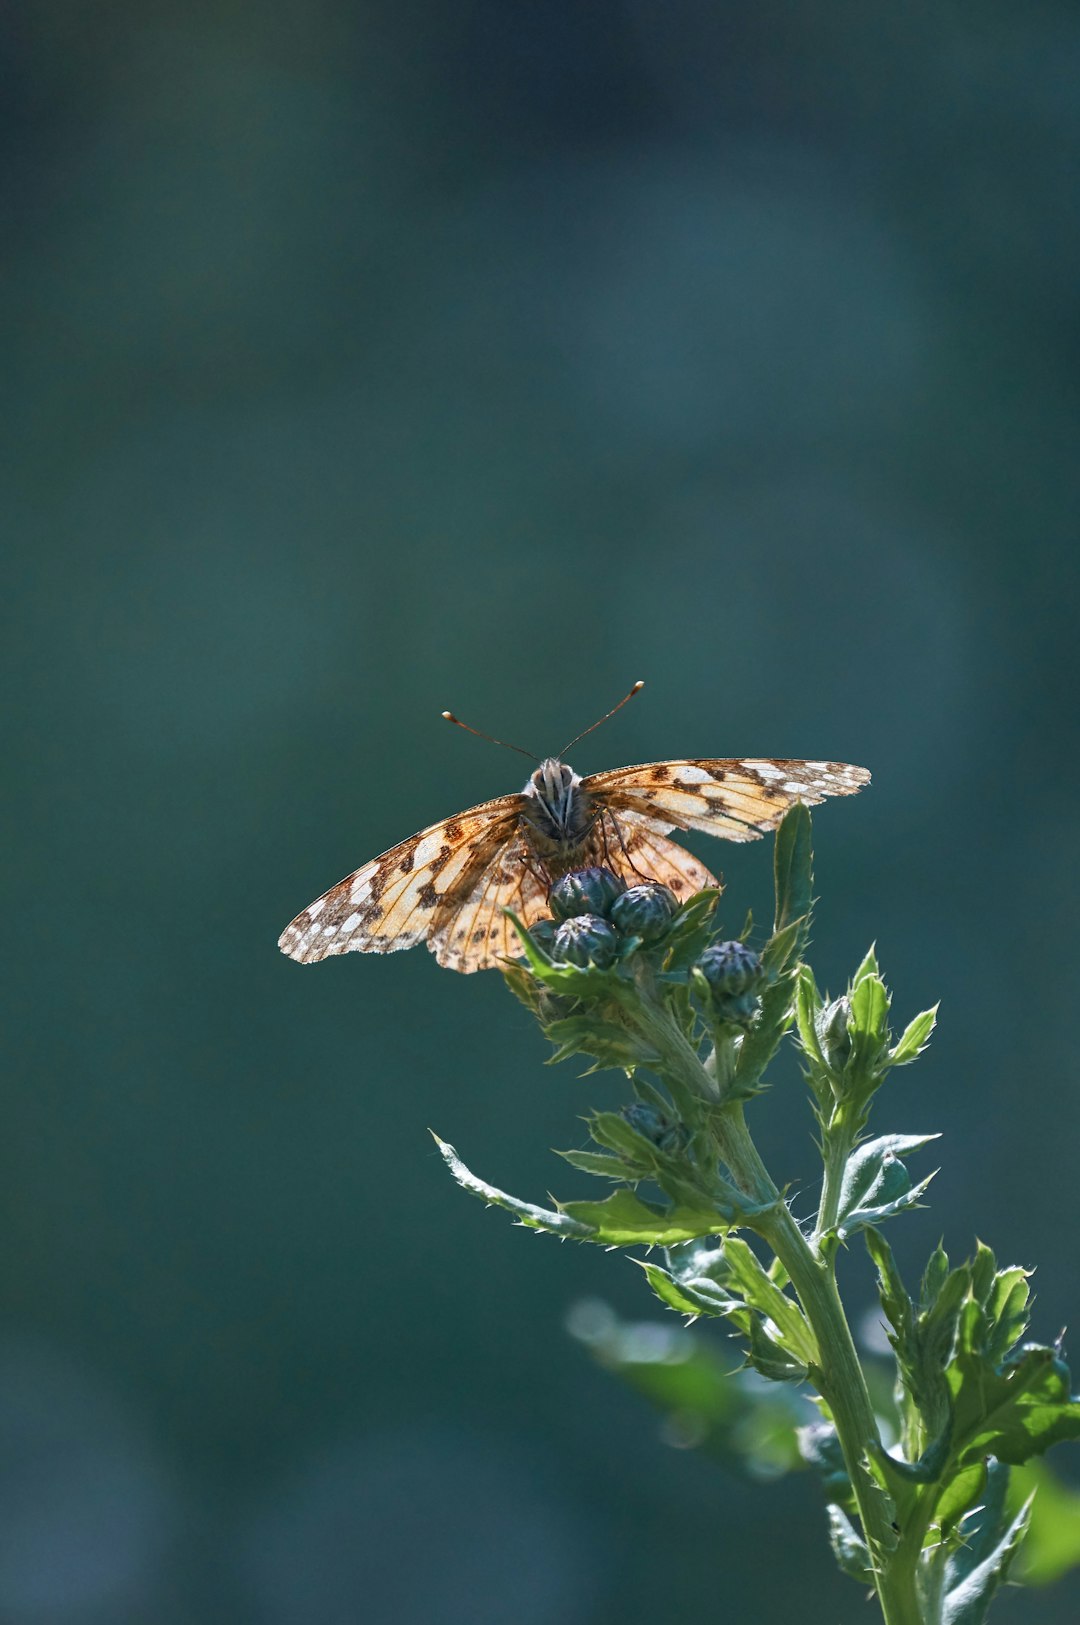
{"x":917,"y":1483}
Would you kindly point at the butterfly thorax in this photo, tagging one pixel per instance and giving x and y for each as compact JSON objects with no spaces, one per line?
{"x":557,"y":814}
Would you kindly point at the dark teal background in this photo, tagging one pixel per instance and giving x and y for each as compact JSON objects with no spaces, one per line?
{"x":368,"y":360}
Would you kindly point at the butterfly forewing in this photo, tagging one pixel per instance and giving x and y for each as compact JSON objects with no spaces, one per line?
{"x":738,"y":798}
{"x":398,"y":899}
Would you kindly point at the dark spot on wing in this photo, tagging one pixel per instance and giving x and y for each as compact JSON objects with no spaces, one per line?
{"x":660,"y":773}
{"x":427,"y":896}
{"x":408,"y":860}
{"x":479,"y":934}
{"x":454,"y":830}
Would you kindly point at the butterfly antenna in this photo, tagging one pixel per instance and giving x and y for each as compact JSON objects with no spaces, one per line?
{"x":638,"y":686}
{"x":450,"y":717}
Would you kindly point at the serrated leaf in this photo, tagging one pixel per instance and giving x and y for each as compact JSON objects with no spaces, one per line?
{"x":612,"y":1131}
{"x":689,"y":933}
{"x":961,"y":1492}
{"x":864,"y":1217}
{"x":763,"y":1294}
{"x":623,"y":1219}
{"x":876,"y":1184}
{"x":891,"y":1291}
{"x":783,"y":946}
{"x":851,"y":1552}
{"x":675,"y":1296}
{"x":819,"y":1447}
{"x":793,"y":860}
{"x":869,"y":1011}
{"x":914,"y":1039}
{"x":536,"y":1218}
{"x":807,"y":1005}
{"x":761,"y":1042}
{"x":594,"y":1162}
{"x":869,"y":967}
{"x":770,"y":1358}
{"x":1014,"y":1412}
{"x":974,"y":1573}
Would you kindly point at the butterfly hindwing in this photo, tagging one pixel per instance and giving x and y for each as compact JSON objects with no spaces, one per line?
{"x":637,"y":853}
{"x":472,"y":931}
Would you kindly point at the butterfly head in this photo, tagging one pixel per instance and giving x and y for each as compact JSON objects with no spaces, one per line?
{"x":556,"y":804}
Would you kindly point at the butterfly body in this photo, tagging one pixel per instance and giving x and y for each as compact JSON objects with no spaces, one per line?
{"x":452,"y":884}
{"x":557,"y":816}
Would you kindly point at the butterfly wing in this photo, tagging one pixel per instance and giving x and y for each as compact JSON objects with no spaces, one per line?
{"x":739,"y":799}
{"x":472,"y":931}
{"x":398,"y":899}
{"x":637,"y":853}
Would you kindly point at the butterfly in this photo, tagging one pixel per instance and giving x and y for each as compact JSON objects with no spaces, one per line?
{"x":452,"y":883}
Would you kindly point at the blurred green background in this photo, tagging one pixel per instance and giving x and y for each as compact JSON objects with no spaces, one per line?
{"x":367,"y":360}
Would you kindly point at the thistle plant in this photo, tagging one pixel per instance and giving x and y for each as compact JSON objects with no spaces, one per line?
{"x":917,"y":1484}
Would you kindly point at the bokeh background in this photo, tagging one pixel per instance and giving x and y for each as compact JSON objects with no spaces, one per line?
{"x":364,"y":360}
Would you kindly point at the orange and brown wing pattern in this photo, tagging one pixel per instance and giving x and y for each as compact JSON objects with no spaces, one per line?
{"x":637,"y":853}
{"x":472,"y":931}
{"x":737,"y":798}
{"x":398,"y":899}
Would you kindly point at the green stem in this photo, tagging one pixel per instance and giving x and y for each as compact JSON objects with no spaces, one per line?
{"x":839,"y":1377}
{"x":837,"y":1148}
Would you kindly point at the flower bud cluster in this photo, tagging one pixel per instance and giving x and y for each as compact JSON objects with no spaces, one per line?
{"x":734,"y":977}
{"x":594,"y":913}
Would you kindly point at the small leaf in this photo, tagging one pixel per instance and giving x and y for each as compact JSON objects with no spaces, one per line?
{"x":763,"y":1294}
{"x":808,"y":1003}
{"x":537,"y":1218}
{"x":891,"y":1291}
{"x":763,"y":1039}
{"x":869,"y":1011}
{"x":593,"y":1162}
{"x":793,"y":860}
{"x":961,"y":1492}
{"x":848,"y":1547}
{"x":783,"y":946}
{"x":876,"y":1183}
{"x":974,"y":1573}
{"x":914,"y":1039}
{"x":820,"y":1449}
{"x":677,"y":1297}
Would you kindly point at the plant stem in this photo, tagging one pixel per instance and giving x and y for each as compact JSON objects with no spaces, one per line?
{"x":837,"y":1148}
{"x":840,"y":1376}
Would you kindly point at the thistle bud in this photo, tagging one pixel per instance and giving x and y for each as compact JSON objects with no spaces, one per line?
{"x":644,"y":911}
{"x":734,"y":976}
{"x":584,"y":891}
{"x":585,"y":940}
{"x":542,"y":933}
{"x":653,"y":1124}
{"x":832,"y":1031}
